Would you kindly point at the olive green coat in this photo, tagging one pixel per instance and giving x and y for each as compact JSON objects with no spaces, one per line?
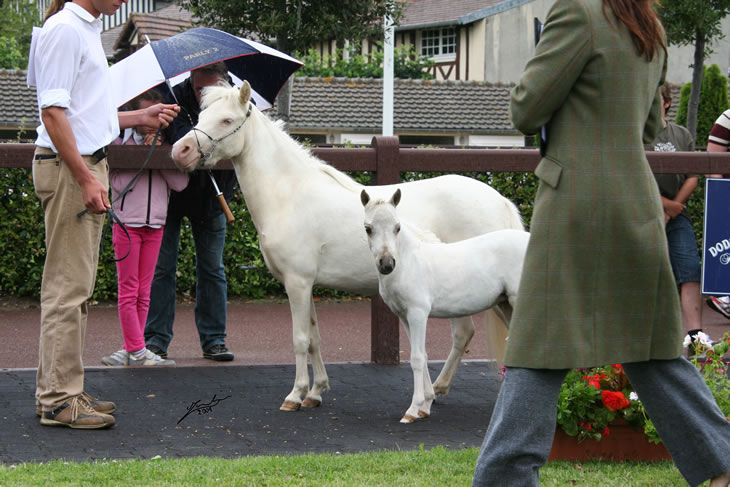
{"x":597,"y":285}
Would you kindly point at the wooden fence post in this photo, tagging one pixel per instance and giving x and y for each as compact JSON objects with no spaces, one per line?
{"x":385,"y":340}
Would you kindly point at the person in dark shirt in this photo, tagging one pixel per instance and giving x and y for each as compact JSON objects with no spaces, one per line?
{"x":197,"y":202}
{"x":675,"y":190}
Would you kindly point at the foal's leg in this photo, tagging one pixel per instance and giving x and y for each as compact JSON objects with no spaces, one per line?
{"x":300,"y":300}
{"x":462,"y":331}
{"x":320,"y":381}
{"x":416,"y":325}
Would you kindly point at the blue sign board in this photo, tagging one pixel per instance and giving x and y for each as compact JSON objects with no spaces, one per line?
{"x":716,"y":244}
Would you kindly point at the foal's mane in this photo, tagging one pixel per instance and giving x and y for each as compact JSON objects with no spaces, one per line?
{"x":276,"y":129}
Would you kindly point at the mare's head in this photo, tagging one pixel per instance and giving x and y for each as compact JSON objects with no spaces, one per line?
{"x":218,"y":134}
{"x":382,"y":226}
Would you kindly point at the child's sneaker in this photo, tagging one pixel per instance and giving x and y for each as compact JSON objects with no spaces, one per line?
{"x":120,"y":357}
{"x":149,"y":358}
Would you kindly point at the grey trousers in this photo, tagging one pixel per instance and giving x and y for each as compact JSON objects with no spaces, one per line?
{"x":686,"y":416}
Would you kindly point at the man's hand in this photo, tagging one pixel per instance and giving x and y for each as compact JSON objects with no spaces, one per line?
{"x":159,"y":115}
{"x":96,"y":198}
{"x":150,"y":118}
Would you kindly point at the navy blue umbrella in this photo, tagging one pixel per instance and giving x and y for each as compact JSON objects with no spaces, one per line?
{"x":265,"y":69}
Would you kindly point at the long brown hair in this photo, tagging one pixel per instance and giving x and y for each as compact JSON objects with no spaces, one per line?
{"x":55,"y":6}
{"x":643,"y":23}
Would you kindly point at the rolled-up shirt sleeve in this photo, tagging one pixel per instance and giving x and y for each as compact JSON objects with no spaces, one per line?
{"x":57,"y":63}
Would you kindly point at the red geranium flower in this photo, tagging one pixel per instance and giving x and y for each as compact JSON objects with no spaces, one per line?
{"x":595,"y":380}
{"x":606,"y":431}
{"x":614,"y":400}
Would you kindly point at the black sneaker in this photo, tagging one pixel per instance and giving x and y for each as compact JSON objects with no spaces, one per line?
{"x":157,"y":351}
{"x":218,"y":352}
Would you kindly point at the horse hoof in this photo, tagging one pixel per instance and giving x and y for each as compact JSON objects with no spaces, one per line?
{"x":290,"y":406}
{"x":408,"y":419}
{"x":311,"y":403}
{"x":422,"y":414}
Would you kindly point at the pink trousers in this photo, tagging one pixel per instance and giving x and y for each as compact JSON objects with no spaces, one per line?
{"x":135,"y":273}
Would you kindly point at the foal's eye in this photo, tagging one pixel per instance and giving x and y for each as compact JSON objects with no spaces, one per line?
{"x":368,"y":230}
{"x":397,"y":228}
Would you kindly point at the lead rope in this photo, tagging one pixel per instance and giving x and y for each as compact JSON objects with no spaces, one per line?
{"x":113,"y":218}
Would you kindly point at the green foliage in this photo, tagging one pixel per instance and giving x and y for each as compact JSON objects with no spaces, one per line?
{"x":18,"y":18}
{"x":22,"y":249}
{"x":10,"y":55}
{"x":297,"y":26}
{"x":585,"y":413}
{"x":708,"y":360}
{"x":713,"y":101}
{"x":348,"y":63}
{"x":685,"y":20}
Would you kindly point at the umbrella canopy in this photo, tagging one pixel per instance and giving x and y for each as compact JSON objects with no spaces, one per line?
{"x":266,"y":69}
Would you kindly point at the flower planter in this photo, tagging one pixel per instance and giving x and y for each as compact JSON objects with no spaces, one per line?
{"x":622,"y":444}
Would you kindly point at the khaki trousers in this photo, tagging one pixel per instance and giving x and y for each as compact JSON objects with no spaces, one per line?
{"x":69,"y":273}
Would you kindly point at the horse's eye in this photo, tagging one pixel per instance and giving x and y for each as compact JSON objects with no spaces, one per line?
{"x":368,"y":229}
{"x":397,"y":228}
{"x":228,"y":121}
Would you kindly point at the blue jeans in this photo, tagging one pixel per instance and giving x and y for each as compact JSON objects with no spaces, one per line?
{"x":210,"y":286}
{"x":683,"y":252}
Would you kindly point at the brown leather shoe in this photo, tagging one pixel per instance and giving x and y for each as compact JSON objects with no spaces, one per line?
{"x":106,"y":407}
{"x":77,"y":413}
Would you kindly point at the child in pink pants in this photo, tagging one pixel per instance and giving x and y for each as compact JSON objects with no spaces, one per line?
{"x":142,"y":210}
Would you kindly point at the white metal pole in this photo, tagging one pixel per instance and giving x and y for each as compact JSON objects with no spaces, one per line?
{"x":388,"y":77}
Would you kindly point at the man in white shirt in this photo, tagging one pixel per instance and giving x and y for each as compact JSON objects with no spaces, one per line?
{"x":69,"y":69}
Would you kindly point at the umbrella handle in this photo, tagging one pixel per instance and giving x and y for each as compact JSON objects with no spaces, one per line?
{"x":227,"y":211}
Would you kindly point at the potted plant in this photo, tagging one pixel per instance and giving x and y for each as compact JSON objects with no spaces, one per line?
{"x":598,"y":405}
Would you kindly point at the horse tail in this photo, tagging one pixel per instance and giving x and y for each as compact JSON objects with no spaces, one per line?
{"x":496,"y":326}
{"x":514,"y":217}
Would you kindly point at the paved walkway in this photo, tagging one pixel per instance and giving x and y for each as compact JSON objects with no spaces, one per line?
{"x":361,"y":412}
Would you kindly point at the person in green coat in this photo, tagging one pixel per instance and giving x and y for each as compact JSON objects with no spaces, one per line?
{"x":597,"y":286}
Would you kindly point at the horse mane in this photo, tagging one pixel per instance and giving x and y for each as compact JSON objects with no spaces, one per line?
{"x":230,"y":95}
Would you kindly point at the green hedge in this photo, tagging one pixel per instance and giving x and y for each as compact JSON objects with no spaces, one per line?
{"x":713,"y":101}
{"x":22,"y":249}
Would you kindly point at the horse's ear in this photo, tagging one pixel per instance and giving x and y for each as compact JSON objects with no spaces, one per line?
{"x":364,"y":197}
{"x":245,"y":93}
{"x":396,"y":197}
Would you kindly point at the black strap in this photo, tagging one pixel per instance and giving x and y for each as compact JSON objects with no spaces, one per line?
{"x":113,"y":216}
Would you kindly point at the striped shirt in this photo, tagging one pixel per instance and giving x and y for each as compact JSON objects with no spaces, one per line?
{"x":720,"y":133}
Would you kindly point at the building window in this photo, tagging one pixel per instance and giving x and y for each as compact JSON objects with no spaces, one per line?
{"x":438,"y":42}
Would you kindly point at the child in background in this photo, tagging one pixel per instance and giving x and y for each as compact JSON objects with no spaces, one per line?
{"x":142,"y":210}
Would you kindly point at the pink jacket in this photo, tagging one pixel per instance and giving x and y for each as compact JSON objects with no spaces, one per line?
{"x":146,"y":202}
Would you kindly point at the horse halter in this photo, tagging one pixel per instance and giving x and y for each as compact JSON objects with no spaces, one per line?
{"x":204,"y":156}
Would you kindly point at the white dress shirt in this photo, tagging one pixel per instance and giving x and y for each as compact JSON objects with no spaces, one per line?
{"x":69,"y":69}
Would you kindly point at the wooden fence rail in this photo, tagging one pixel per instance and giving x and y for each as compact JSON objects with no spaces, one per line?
{"x":386,"y":159}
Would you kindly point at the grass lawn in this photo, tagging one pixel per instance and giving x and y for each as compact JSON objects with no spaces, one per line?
{"x":436,"y":467}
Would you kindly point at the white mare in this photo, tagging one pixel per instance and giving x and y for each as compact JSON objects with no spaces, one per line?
{"x":420,"y":277}
{"x":309,"y":220}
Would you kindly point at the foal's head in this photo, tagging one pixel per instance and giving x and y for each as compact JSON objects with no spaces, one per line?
{"x":218,"y":132}
{"x":382,"y":226}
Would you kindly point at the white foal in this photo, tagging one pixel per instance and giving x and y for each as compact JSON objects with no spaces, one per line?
{"x":419,"y":276}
